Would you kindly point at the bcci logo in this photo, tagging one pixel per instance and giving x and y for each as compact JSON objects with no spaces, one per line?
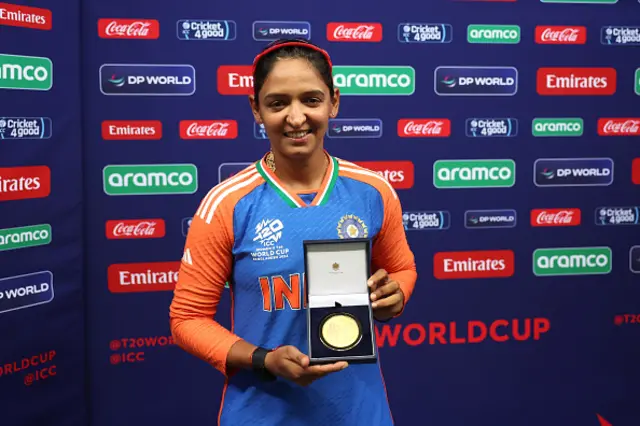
{"x":351,"y":226}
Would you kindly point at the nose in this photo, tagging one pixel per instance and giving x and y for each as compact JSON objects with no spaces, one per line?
{"x":296,"y":116}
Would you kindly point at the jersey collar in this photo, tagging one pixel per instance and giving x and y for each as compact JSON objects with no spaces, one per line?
{"x":291,"y":198}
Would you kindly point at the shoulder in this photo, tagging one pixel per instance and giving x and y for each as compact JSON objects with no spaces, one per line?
{"x":223,"y":197}
{"x":353,"y":171}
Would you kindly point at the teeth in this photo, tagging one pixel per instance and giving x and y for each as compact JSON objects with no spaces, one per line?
{"x":297,"y":135}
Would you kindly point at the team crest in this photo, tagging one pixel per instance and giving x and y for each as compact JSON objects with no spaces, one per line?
{"x":351,"y":226}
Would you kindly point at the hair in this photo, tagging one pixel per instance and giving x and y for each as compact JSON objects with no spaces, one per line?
{"x":265,"y":63}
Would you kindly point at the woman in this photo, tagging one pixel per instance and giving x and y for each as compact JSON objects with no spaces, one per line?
{"x":248,"y":230}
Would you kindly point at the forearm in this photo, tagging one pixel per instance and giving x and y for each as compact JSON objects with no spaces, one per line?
{"x":239,"y":356}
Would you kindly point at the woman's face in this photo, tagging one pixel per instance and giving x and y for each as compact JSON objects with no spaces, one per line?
{"x":295,"y":107}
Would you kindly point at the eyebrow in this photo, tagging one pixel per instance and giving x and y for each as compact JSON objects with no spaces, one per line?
{"x":310,"y":92}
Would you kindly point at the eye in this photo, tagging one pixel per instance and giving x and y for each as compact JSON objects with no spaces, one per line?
{"x":314,"y":101}
{"x":276,"y":104}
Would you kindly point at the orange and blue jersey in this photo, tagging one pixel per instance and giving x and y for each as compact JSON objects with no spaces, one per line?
{"x":248,"y":231}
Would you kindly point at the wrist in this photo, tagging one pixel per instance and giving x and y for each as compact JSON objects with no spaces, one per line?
{"x":259,"y":364}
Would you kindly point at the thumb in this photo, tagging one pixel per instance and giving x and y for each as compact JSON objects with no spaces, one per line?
{"x":298,"y":357}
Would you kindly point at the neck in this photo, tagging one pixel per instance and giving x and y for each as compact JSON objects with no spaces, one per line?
{"x":301,"y":174}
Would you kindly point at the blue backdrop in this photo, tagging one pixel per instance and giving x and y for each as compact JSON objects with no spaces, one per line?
{"x":526,"y":310}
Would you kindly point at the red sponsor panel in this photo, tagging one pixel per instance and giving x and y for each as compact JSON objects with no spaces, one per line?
{"x":354,"y":31}
{"x":399,"y":174}
{"x":148,"y":29}
{"x":557,"y":34}
{"x":473,"y":264}
{"x":424,"y":127}
{"x":19,"y":183}
{"x":619,"y":126}
{"x":235,"y":80}
{"x":208,"y":129}
{"x":15,"y":15}
{"x":556,"y":217}
{"x":143,"y":277}
{"x":135,"y":228}
{"x":131,"y":129}
{"x":576,"y":81}
{"x":635,"y":171}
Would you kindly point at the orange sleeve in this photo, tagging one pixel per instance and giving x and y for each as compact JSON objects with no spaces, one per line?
{"x":206,"y":266}
{"x":390,"y":250}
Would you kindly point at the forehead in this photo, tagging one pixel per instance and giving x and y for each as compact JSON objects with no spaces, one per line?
{"x":292,"y":75}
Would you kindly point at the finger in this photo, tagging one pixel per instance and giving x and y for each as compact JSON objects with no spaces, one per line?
{"x":379,"y":277}
{"x":321,"y":370}
{"x":389,"y":288}
{"x":298,"y":357}
{"x":394,"y":299}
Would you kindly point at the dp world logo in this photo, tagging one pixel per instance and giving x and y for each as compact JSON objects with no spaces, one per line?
{"x":147,"y":80}
{"x":573,"y":172}
{"x":475,"y":81}
{"x":355,"y":128}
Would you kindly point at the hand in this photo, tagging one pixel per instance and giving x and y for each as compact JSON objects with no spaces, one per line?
{"x":288,"y":362}
{"x":386,"y":297}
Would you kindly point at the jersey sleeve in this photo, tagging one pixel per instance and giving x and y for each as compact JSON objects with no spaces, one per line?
{"x":390,"y":249}
{"x":205,"y":268}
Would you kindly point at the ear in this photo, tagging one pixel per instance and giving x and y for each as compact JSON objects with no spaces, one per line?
{"x":335,"y":103}
{"x":255,"y":109}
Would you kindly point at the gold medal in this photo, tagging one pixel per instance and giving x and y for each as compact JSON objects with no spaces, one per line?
{"x":340,"y":332}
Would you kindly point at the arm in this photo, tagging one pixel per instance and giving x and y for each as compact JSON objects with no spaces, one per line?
{"x":206,"y":266}
{"x":390,"y":249}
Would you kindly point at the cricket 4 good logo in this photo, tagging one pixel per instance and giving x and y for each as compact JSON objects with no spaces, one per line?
{"x":354,"y":31}
{"x":208,"y":129}
{"x":635,"y":172}
{"x":493,"y":34}
{"x":227,"y":170}
{"x":354,"y":128}
{"x":576,"y":81}
{"x":235,"y":80}
{"x":573,"y":172}
{"x":572,"y":261}
{"x":142,"y":277}
{"x":259,"y":132}
{"x":449,"y":174}
{"x":491,"y":127}
{"x":15,"y":15}
{"x":205,"y":29}
{"x":19,"y":183}
{"x":135,"y":229}
{"x":147,"y":80}
{"x":619,"y":126}
{"x":25,"y":291}
{"x":148,"y":29}
{"x":475,"y":81}
{"x":620,"y":36}
{"x":186,"y":225}
{"x":473,"y":264}
{"x":274,"y":30}
{"x":424,"y":127}
{"x":150,"y":179}
{"x":613,"y":216}
{"x":555,"y":217}
{"x":557,"y":34}
{"x":25,"y":72}
{"x":557,"y":127}
{"x":486,"y":219}
{"x":398,"y":173}
{"x":25,"y":236}
{"x":375,"y":80}
{"x":131,"y":129}
{"x":419,"y":221}
{"x":424,"y":33}
{"x":25,"y":127}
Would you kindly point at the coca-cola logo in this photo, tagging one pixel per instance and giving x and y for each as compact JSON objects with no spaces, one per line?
{"x":424,"y":127}
{"x":354,"y":31}
{"x":129,"y":28}
{"x":555,"y":217}
{"x":208,"y":129}
{"x":561,"y":34}
{"x":619,"y":126}
{"x":135,"y":228}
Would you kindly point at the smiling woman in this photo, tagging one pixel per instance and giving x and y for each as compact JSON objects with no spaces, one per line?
{"x":249,"y":231}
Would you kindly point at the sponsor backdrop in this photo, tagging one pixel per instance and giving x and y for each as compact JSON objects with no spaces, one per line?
{"x":510,"y":130}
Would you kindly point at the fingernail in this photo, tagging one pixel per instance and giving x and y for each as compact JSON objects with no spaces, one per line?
{"x":374,"y":304}
{"x":373,"y":296}
{"x":369,"y":283}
